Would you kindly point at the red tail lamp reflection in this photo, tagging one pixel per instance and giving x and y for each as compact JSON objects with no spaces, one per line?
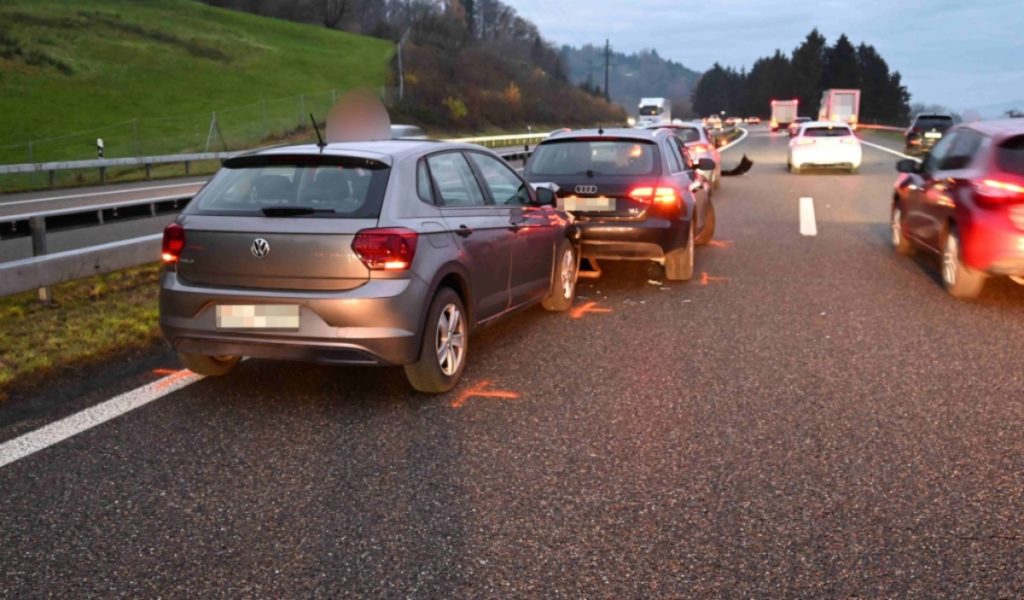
{"x":706,"y":279}
{"x":577,"y":312}
{"x":480,"y":391}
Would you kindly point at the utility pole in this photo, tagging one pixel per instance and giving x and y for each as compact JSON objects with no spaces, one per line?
{"x":607,"y":58}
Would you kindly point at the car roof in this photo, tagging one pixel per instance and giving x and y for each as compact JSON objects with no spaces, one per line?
{"x":810,"y":124}
{"x":614,"y":133}
{"x":384,"y":150}
{"x":996,"y":128}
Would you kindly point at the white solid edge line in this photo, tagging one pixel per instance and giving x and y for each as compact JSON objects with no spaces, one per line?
{"x":808,"y":226}
{"x":56,"y":432}
{"x":889,"y":150}
{"x":735,"y":141}
{"x":93,"y":194}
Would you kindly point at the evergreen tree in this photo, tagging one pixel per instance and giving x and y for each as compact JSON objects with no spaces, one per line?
{"x":808,"y":65}
{"x":841,"y":67}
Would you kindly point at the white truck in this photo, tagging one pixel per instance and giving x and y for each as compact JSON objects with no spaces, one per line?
{"x":654,"y":111}
{"x":784,"y":112}
{"x":840,"y":106}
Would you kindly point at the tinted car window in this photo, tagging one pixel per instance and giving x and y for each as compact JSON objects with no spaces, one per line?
{"x":603,"y":157}
{"x":455,"y":180}
{"x":423,"y":187}
{"x":505,"y":186}
{"x":939,"y":152}
{"x":933,"y":122}
{"x":827,"y":132}
{"x":347,"y":189}
{"x":1010,"y":155}
{"x":962,"y":151}
{"x":675,"y":160}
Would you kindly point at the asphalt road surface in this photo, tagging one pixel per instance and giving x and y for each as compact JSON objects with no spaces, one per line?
{"x":811,"y":416}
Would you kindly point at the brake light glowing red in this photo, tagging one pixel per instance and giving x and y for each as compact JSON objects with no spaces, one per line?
{"x":173,"y":244}
{"x":994,"y":191}
{"x":699,"y":148}
{"x":386,"y":249}
{"x":657,"y":195}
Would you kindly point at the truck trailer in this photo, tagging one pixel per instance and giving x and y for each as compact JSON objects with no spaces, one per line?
{"x":784,"y":112}
{"x":840,"y":106}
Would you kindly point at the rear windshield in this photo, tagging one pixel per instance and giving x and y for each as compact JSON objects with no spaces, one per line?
{"x":317,"y":186}
{"x":651,"y":111}
{"x":688,"y":134}
{"x":827,"y":132}
{"x":600,"y":157}
{"x":938,"y":121}
{"x":1010,"y":155}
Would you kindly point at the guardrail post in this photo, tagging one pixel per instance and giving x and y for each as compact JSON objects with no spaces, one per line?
{"x":53,"y":175}
{"x":103,"y":174}
{"x":37,"y":225}
{"x":186,"y":167}
{"x":149,"y":166}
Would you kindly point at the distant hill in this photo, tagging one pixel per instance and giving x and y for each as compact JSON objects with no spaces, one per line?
{"x":633,"y":76}
{"x":97,"y":66}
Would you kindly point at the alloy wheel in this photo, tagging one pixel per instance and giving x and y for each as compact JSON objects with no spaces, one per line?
{"x":450,"y":341}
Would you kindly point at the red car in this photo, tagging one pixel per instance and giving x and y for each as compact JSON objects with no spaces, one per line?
{"x":965,"y":203}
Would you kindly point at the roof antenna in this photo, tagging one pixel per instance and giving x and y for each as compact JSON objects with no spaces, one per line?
{"x":600,"y":130}
{"x":320,"y":143}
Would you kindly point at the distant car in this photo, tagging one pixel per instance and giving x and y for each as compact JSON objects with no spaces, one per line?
{"x":965,"y":203}
{"x":824,"y":144}
{"x":753,"y":120}
{"x":407,"y":132}
{"x":713,"y":123}
{"x":794,"y":127}
{"x":925,"y":131}
{"x":370,"y":253}
{"x":633,"y":193}
{"x":699,"y":144}
{"x":733,"y":121}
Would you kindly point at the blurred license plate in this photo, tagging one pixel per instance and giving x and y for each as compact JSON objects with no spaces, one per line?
{"x":933,"y":135}
{"x":257,"y":316}
{"x":600,"y":203}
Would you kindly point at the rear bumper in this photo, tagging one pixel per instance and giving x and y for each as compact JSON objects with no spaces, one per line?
{"x":843,"y":155}
{"x":650,"y":239}
{"x":992,"y":243}
{"x":378,"y":323}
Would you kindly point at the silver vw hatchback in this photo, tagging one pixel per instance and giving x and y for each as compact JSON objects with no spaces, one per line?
{"x":370,"y":253}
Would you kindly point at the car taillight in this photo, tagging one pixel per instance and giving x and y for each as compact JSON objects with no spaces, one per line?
{"x":386,"y":249}
{"x":174,"y":242}
{"x":804,"y":141}
{"x":995,"y":191}
{"x":657,"y":195}
{"x":698,"y":149}
{"x":775,"y":123}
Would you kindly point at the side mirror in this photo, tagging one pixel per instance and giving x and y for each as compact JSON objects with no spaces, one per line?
{"x":546,"y":194}
{"x":908,"y":165}
{"x":706,"y":164}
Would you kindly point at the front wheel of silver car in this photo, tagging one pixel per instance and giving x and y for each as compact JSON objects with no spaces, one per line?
{"x":563,"y":280}
{"x":210,"y":366}
{"x":444,"y":347}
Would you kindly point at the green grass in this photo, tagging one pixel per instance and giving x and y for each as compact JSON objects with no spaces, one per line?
{"x":93,"y":318}
{"x":145,"y":75}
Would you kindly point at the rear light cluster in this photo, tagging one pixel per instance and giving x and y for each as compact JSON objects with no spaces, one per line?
{"x":656,"y":195}
{"x":173,"y":244}
{"x":699,"y":148}
{"x":995,"y":191}
{"x":386,"y":249}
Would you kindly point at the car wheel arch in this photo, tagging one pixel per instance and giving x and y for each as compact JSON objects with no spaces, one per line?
{"x":456,"y":278}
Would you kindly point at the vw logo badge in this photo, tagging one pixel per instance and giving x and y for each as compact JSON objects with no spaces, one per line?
{"x":586,"y":189}
{"x":260,"y":248}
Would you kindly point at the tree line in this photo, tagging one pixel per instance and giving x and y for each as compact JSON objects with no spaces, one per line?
{"x":466,"y":64}
{"x":811,"y":68}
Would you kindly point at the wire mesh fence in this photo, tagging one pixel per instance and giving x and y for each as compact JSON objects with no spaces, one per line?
{"x":234,"y":128}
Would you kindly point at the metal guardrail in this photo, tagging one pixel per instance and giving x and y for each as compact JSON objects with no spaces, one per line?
{"x":44,"y":269}
{"x":881,"y":127}
{"x":105,"y":163}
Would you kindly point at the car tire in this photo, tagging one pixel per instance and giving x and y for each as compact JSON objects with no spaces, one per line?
{"x":209,"y":366}
{"x":679,"y":263}
{"x":434,"y":373}
{"x":897,"y":238}
{"x":563,"y":279}
{"x":959,"y":280}
{"x":708,"y":233}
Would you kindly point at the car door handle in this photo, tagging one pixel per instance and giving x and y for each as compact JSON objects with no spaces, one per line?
{"x":464,"y":231}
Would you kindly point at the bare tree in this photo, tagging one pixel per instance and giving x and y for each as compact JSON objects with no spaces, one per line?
{"x":333,"y":11}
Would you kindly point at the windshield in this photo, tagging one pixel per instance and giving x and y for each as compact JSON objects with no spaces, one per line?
{"x":827,"y":132}
{"x":688,"y":134}
{"x":342,"y":188}
{"x":651,"y":111}
{"x":601,"y":157}
{"x":1010,"y":155}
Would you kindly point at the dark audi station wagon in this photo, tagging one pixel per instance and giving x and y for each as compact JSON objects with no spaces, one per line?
{"x":371,"y":253}
{"x":636,"y":194}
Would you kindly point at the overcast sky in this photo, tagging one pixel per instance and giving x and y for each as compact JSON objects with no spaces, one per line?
{"x":963,"y":53}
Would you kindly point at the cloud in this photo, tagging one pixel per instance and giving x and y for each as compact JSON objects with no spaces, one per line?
{"x":949,"y":51}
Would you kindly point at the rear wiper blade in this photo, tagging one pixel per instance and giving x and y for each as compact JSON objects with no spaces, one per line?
{"x":294,"y":211}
